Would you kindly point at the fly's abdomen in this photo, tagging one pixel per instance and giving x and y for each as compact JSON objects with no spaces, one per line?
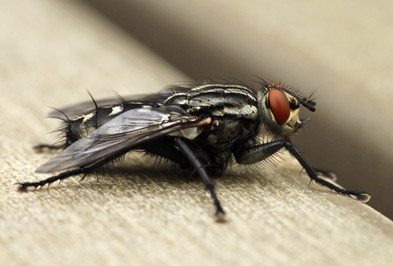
{"x":81,"y":127}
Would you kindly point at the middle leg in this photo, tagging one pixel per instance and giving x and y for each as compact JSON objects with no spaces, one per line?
{"x":209,"y":185}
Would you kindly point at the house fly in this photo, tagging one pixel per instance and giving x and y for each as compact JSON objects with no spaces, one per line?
{"x":199,"y":127}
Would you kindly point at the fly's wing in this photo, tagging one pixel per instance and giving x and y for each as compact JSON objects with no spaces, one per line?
{"x":118,"y":135}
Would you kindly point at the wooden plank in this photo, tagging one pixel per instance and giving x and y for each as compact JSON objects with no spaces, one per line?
{"x":140,"y":213}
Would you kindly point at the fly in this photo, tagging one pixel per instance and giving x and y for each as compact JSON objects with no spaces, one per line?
{"x":199,"y":127}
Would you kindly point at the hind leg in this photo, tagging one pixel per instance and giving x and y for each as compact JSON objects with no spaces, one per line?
{"x":43,"y":147}
{"x":23,"y":186}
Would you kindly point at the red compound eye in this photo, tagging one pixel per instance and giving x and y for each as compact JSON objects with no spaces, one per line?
{"x":279,"y":105}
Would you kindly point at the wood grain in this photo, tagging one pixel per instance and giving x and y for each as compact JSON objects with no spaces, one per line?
{"x":140,"y":213}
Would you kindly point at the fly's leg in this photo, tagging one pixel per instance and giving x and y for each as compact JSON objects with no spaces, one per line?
{"x":209,"y":185}
{"x":359,"y":195}
{"x":326,"y":173}
{"x":166,"y":147}
{"x":257,"y":153}
{"x":23,"y":186}
{"x":261,"y":152}
{"x":39,"y":148}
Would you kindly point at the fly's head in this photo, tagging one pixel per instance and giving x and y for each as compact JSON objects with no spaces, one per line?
{"x":281,"y":109}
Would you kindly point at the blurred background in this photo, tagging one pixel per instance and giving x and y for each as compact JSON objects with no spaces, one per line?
{"x":342,"y":51}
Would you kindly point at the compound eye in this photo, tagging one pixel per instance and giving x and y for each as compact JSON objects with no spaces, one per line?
{"x":279,"y":105}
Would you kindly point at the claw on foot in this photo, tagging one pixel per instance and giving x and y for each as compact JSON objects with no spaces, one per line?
{"x":220,"y":217}
{"x":362,"y":197}
{"x":22,"y":188}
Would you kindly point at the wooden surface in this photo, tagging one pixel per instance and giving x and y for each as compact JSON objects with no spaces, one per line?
{"x":140,"y":213}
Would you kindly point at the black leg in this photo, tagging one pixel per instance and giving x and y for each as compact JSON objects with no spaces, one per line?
{"x":39,"y":148}
{"x":209,"y":185}
{"x":23,"y":186}
{"x":260,"y":152}
{"x":326,"y":173}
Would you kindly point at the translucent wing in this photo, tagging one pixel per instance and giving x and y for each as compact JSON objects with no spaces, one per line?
{"x":118,"y":135}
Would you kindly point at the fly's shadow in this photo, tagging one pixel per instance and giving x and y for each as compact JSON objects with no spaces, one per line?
{"x":141,"y":173}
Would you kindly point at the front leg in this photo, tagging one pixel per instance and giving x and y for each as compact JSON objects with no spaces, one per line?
{"x":260,"y":152}
{"x":326,"y":173}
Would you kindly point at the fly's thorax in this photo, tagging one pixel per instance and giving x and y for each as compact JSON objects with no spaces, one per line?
{"x":219,"y":100}
{"x":233,"y":109}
